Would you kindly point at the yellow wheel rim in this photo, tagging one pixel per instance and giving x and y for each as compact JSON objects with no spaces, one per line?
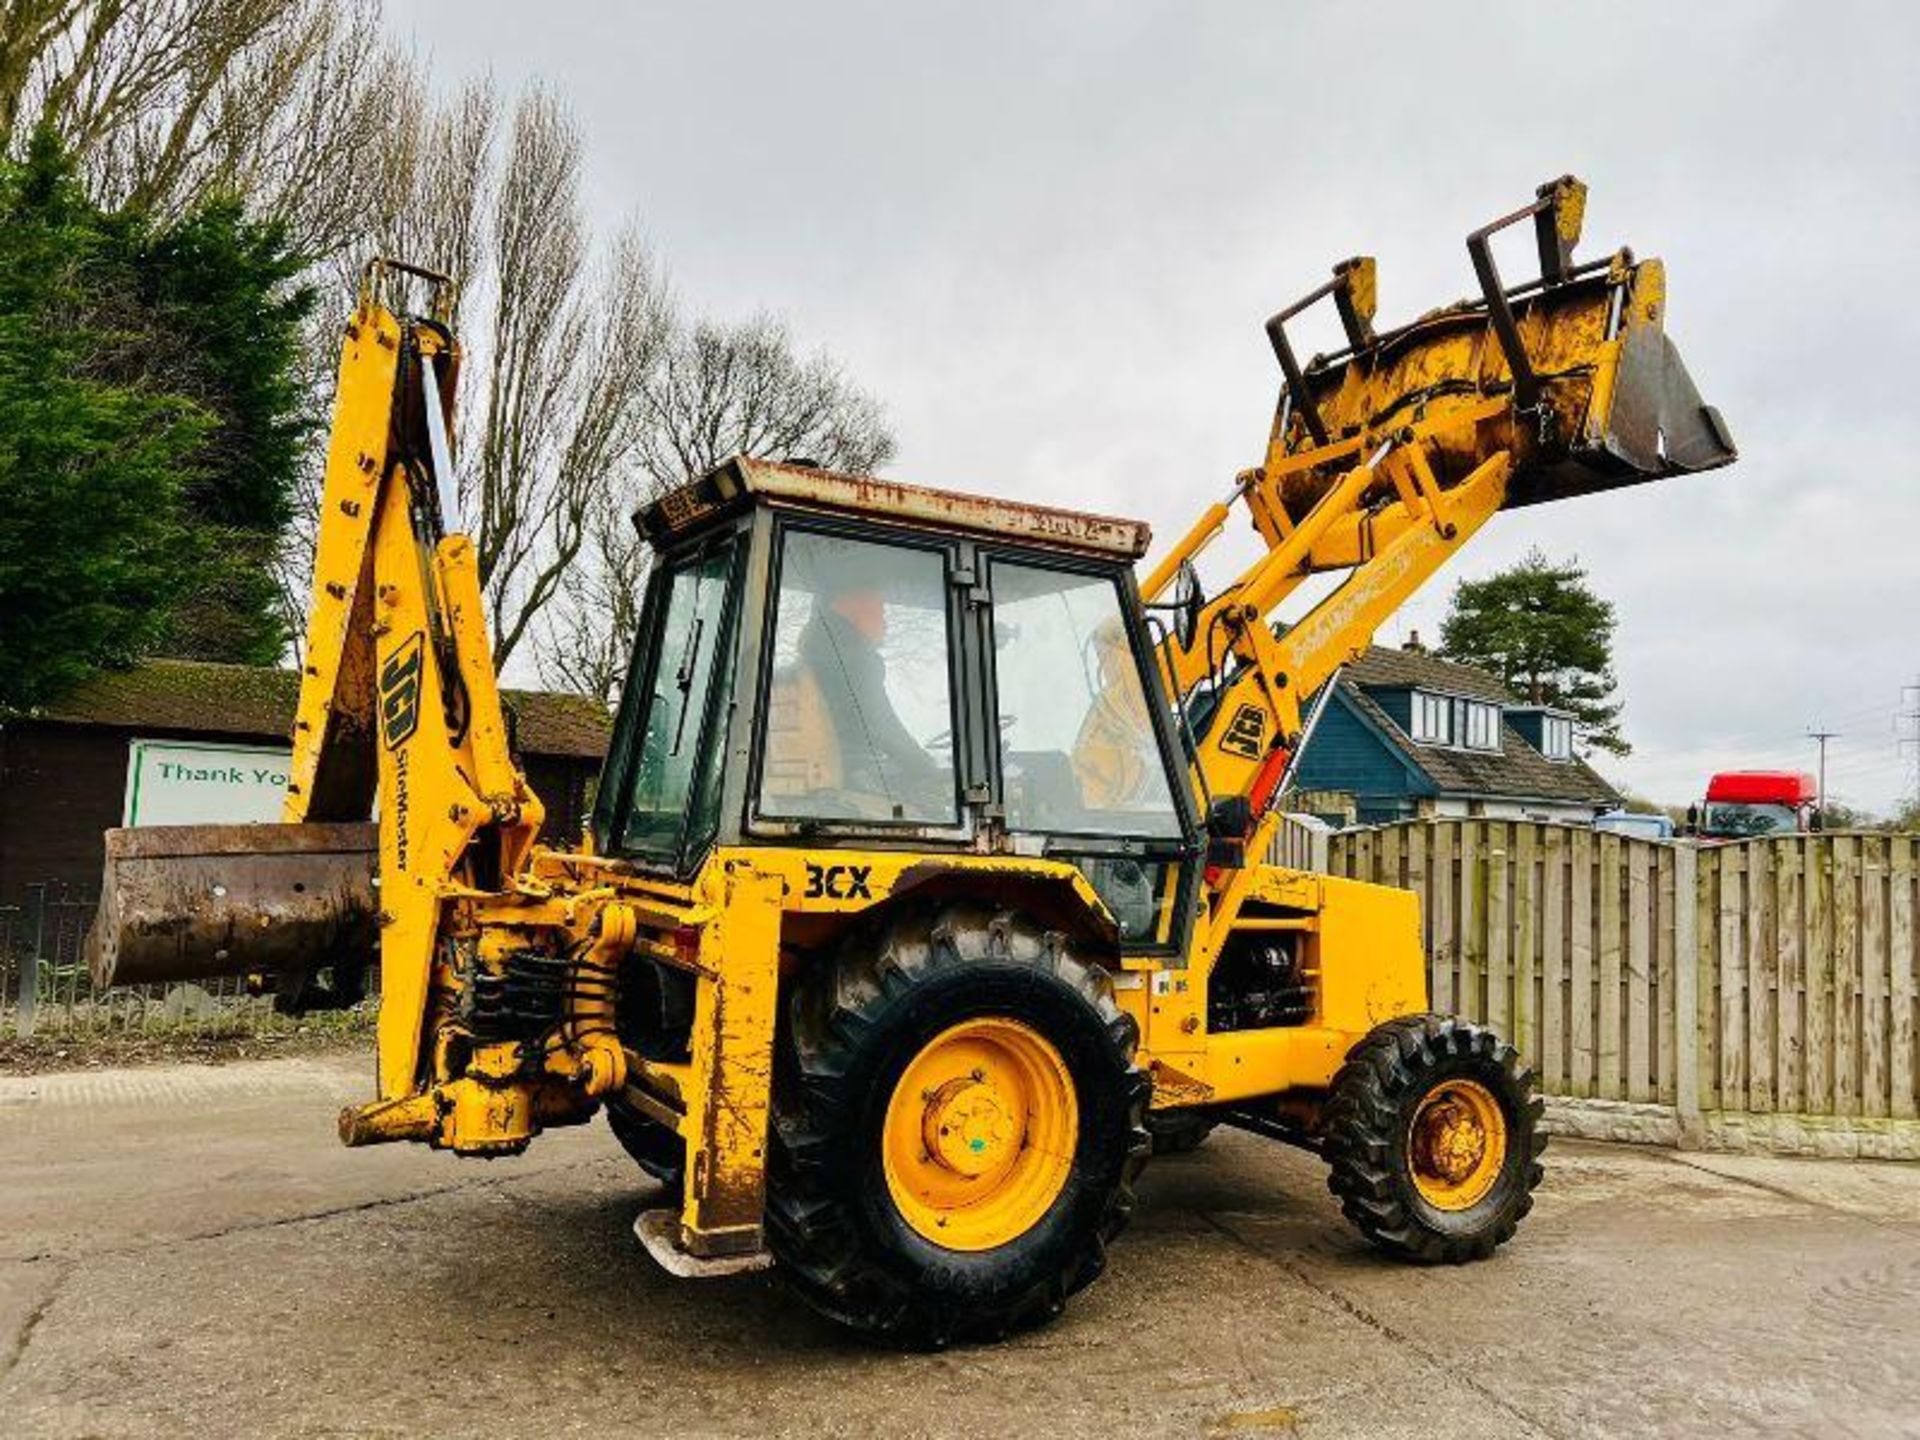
{"x":1457,"y":1144}
{"x":980,"y":1134}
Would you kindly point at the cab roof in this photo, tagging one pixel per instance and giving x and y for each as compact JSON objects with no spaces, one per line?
{"x":744,"y":481}
{"x":1761,"y":787}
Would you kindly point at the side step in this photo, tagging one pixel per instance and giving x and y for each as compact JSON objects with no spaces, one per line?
{"x":659,"y":1234}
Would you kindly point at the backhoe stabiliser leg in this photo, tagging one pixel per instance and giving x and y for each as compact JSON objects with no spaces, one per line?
{"x":490,"y":1110}
{"x":728,"y":1101}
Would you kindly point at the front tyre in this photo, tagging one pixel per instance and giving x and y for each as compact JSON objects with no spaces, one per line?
{"x":1432,"y":1131}
{"x":957,"y":1124}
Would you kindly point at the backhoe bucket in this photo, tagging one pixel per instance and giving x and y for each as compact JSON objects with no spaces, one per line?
{"x":192,"y":902}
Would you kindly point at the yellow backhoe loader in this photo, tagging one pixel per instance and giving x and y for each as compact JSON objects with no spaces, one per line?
{"x":923,"y":894}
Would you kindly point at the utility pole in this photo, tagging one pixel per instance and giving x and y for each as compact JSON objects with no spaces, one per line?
{"x":1822,"y":737}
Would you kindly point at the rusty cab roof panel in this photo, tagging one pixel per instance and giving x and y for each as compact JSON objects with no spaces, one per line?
{"x":743,"y":481}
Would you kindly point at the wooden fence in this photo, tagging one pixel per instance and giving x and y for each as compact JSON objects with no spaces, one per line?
{"x":1773,"y":978}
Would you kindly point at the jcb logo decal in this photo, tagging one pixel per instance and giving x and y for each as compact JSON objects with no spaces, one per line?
{"x":400,"y":692}
{"x":1247,"y":734}
{"x":838,"y":882}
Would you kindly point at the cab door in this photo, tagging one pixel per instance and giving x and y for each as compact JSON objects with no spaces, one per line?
{"x":1086,"y":765}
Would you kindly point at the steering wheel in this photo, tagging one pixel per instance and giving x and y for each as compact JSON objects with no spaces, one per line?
{"x":944,"y":740}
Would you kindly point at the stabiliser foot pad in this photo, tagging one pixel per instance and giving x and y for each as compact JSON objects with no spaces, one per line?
{"x":659,"y":1234}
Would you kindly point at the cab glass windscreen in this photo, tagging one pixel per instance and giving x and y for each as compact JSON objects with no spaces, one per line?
{"x":859,"y":716}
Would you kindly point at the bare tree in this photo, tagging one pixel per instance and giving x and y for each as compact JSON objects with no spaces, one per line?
{"x":589,"y":629}
{"x":744,"y":390}
{"x":280,"y":102}
{"x":718,"y":391}
{"x":425,"y":197}
{"x":580,"y":396}
{"x":559,"y":340}
{"x":568,"y":345}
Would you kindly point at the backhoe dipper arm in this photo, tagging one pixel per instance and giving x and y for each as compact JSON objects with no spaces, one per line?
{"x":1387,"y":458}
{"x":398,"y":688}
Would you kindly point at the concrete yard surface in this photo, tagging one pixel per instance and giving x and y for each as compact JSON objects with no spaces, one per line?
{"x":189,"y":1250}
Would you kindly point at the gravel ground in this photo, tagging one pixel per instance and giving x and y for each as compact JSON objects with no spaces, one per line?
{"x":186,"y":1249}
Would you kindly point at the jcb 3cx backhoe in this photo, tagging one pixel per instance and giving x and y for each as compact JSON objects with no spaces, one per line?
{"x":923,"y":891}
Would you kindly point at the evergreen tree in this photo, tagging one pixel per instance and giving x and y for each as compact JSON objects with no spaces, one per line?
{"x":92,"y":551}
{"x":218,"y":317}
{"x":1540,"y":628}
{"x":149,"y":426}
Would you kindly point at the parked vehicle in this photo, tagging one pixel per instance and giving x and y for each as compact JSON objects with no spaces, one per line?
{"x":1742,"y":804}
{"x":1628,"y":822}
{"x":929,"y":853}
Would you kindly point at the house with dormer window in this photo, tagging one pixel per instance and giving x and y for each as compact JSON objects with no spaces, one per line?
{"x":1406,"y":734}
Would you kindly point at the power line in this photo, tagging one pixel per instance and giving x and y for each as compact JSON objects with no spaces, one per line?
{"x":1882,"y":711}
{"x":1852,"y":763}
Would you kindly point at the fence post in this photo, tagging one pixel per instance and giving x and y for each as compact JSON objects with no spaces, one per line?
{"x":1686,"y":995}
{"x":30,"y":964}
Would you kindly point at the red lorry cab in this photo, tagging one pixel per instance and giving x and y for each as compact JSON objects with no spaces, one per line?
{"x":1744,"y":803}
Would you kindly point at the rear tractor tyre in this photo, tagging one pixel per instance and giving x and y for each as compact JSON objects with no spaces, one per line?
{"x":1432,"y":1132}
{"x":958,"y":1120}
{"x":1175,"y":1132}
{"x":656,"y":1149}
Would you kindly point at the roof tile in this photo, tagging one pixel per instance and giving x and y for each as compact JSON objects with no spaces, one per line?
{"x":1384,"y":669}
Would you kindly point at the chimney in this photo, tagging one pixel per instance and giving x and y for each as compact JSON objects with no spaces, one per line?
{"x":1413,"y":643}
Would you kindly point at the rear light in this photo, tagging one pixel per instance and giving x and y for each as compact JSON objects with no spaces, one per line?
{"x":686,"y":946}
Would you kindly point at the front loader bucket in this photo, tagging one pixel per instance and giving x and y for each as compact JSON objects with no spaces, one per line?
{"x":1591,"y":393}
{"x":191,"y":902}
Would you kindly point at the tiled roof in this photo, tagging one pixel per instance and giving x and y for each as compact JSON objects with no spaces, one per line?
{"x":1517,"y":771}
{"x":1384,"y":669}
{"x":199,"y":697}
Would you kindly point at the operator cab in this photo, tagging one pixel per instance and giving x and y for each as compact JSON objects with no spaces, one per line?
{"x":827,"y":659}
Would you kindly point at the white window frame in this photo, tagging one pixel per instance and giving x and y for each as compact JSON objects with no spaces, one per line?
{"x":1454,"y":722}
{"x":1556,"y":737}
{"x":1432,"y":718}
{"x":1480,"y":726}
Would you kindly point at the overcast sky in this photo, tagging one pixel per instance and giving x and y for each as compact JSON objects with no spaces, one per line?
{"x":1046,"y":236}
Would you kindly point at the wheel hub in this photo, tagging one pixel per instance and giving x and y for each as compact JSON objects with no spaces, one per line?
{"x":979,"y":1134}
{"x":969,"y":1128}
{"x":1453,"y":1141}
{"x":1456,"y":1144}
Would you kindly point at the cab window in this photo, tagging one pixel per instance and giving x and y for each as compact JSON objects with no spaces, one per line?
{"x":1079,"y":751}
{"x":859,"y":714}
{"x":673,"y":721}
{"x":1144,"y":896}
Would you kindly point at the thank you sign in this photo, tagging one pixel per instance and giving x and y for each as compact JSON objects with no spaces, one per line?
{"x":177,"y":782}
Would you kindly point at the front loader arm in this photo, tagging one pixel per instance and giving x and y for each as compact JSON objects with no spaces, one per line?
{"x":1386,"y":459}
